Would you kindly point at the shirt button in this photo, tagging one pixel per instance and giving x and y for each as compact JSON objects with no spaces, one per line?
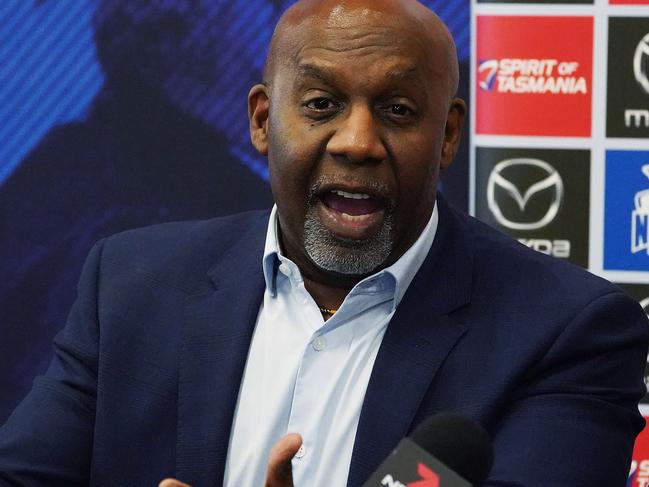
{"x":285,"y":269}
{"x":319,"y":344}
{"x":301,"y":452}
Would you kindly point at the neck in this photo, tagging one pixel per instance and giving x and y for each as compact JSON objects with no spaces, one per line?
{"x":325,"y":295}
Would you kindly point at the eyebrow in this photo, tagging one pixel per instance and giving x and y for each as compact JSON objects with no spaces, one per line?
{"x":410,"y":73}
{"x":398,"y":74}
{"x":313,"y":71}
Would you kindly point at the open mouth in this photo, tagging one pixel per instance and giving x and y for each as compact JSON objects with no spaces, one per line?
{"x":351,"y":213}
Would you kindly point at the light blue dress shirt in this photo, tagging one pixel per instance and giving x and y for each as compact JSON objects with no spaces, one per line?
{"x":309,"y":376}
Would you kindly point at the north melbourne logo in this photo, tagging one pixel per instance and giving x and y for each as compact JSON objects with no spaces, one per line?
{"x":640,"y":219}
{"x":536,"y":76}
{"x":499,"y":180}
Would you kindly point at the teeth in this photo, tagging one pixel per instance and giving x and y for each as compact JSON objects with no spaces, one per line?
{"x":354,"y":196}
{"x":353,"y":218}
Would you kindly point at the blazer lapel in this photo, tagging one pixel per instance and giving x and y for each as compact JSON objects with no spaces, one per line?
{"x":216,"y":336}
{"x":418,"y":339}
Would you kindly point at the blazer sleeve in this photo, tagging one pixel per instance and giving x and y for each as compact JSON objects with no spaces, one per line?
{"x":574,"y":420}
{"x":47,"y":441}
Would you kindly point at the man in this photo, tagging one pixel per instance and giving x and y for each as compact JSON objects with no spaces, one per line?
{"x":362,"y":306}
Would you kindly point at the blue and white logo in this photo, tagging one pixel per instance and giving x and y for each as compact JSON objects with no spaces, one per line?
{"x":640,"y":219}
{"x":487,"y":71}
{"x":626,"y":219}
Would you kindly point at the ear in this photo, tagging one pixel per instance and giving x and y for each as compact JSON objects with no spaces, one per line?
{"x":258,"y":109}
{"x":453,"y":131}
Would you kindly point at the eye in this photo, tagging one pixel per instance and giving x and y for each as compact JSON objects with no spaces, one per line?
{"x":321,"y":104}
{"x":400,"y":110}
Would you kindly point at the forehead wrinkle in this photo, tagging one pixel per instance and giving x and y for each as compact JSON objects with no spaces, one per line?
{"x":409,"y":70}
{"x":329,"y":76}
{"x":364,"y":41}
{"x":358,"y":44}
{"x":406,"y":18}
{"x":357,"y":38}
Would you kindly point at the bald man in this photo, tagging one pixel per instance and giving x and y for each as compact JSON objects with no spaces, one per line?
{"x":298,"y":347}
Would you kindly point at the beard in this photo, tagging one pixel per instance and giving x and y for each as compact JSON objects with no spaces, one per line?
{"x":346,"y":255}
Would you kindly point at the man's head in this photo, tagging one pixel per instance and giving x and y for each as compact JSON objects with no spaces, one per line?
{"x":356,"y":115}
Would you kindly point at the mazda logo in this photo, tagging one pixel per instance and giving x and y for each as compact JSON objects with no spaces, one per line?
{"x":501,"y":179}
{"x":641,"y":63}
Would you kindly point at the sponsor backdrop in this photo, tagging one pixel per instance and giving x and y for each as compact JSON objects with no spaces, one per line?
{"x":116,"y":114}
{"x":121,"y":113}
{"x":559,"y":146}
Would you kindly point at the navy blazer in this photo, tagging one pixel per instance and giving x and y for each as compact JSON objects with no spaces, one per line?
{"x":146,"y":373}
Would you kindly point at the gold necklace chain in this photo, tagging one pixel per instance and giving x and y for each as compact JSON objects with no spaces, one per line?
{"x":327,"y":311}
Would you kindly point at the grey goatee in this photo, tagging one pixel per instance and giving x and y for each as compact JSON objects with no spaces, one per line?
{"x":345,"y":255}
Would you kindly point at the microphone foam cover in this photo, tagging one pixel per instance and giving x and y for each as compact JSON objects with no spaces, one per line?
{"x":458,"y":442}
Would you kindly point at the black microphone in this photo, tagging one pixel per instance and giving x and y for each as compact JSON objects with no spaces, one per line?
{"x":446,"y":450}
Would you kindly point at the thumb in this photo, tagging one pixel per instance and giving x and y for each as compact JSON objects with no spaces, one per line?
{"x":172,"y":483}
{"x":280,"y":473}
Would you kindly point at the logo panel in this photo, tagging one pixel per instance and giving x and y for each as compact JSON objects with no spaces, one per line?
{"x":539,"y":196}
{"x":551,"y":179}
{"x":626,"y":211}
{"x":639,"y":472}
{"x":627,"y":113}
{"x":534,"y":75}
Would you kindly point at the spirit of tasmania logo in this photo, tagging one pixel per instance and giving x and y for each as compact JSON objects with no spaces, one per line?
{"x":639,"y":472}
{"x":534,"y":75}
{"x":531,"y":76}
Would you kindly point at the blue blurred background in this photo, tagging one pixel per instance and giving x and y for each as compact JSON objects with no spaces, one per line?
{"x":122,"y":113}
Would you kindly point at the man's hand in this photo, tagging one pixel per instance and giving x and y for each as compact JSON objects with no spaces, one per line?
{"x":280,"y":473}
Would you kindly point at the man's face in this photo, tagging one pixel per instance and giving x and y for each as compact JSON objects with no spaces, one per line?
{"x":355,"y":137}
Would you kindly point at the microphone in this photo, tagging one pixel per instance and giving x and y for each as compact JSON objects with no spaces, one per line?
{"x":446,"y":450}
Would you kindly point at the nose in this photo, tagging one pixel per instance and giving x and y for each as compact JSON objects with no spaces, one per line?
{"x":357,"y":137}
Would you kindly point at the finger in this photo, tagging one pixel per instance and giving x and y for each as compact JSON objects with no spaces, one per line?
{"x":172,"y":483}
{"x":279,"y":473}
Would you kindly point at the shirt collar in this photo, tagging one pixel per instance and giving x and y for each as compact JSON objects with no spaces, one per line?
{"x":403,"y":270}
{"x":271,"y":252}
